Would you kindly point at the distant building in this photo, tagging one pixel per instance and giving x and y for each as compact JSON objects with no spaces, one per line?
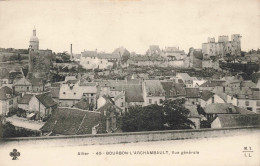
{"x":173,"y":53}
{"x":95,"y":60}
{"x":34,"y":41}
{"x":194,"y":58}
{"x":223,"y":46}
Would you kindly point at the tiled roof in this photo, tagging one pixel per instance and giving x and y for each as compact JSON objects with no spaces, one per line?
{"x":133,"y":93}
{"x":36,"y":82}
{"x":108,"y":56}
{"x":89,"y":54}
{"x":6,"y":93}
{"x":75,"y":92}
{"x":82,"y":104}
{"x":205,"y":95}
{"x":46,"y":100}
{"x":154,"y":88}
{"x":72,"y":121}
{"x":213,"y":83}
{"x":184,"y":76}
{"x":238,"y":120}
{"x":25,"y":99}
{"x":23,"y":81}
{"x":192,"y":92}
{"x":249,"y":84}
{"x":225,"y":108}
{"x":55,"y":92}
{"x":173,"y":89}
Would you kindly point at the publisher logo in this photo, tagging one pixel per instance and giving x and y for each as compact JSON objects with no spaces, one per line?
{"x":14,"y":154}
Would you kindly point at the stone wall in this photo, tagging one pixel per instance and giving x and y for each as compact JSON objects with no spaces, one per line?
{"x":117,"y":138}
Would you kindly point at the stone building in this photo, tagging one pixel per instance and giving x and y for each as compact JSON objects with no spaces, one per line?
{"x":34,"y":41}
{"x":223,"y":47}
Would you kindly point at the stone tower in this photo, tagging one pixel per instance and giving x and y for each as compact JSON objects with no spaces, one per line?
{"x":34,"y":41}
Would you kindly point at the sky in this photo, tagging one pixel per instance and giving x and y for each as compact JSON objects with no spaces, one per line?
{"x":134,"y":24}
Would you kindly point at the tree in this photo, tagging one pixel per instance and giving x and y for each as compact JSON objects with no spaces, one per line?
{"x":170,"y":116}
{"x":147,"y":118}
{"x":125,"y":56}
{"x":176,"y":115}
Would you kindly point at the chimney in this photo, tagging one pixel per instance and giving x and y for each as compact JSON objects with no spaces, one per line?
{"x":70,"y":51}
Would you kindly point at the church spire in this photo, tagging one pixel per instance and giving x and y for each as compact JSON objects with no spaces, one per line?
{"x":34,"y":31}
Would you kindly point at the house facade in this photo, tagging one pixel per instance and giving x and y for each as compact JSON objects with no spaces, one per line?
{"x":8,"y":101}
{"x":208,"y":97}
{"x":70,"y":94}
{"x":153,"y":92}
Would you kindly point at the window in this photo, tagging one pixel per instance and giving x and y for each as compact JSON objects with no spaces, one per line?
{"x":64,"y":93}
{"x":257,"y":103}
{"x":247,"y":103}
{"x":150,"y":101}
{"x":92,"y":94}
{"x":122,"y":104}
{"x":101,"y":62}
{"x":74,"y":93}
{"x":92,"y":100}
{"x":27,"y":87}
{"x":155,"y":102}
{"x":10,"y":102}
{"x":87,"y":62}
{"x":213,"y":99}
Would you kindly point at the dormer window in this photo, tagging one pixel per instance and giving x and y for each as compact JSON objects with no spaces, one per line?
{"x":150,"y":94}
{"x":8,"y":95}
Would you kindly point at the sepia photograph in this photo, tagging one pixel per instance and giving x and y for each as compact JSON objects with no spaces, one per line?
{"x":130,"y":82}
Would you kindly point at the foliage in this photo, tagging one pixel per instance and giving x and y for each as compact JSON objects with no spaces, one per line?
{"x":170,"y":116}
{"x":17,"y":111}
{"x":9,"y":130}
{"x":63,"y":58}
{"x":17,"y":57}
{"x":45,"y":119}
{"x":205,"y":124}
{"x":125,"y":56}
{"x":176,"y":115}
{"x":248,"y":68}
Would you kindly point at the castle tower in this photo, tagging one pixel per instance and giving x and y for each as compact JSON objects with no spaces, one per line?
{"x":34,"y":41}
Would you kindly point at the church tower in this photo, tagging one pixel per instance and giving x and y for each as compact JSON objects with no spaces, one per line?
{"x":34,"y":41}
